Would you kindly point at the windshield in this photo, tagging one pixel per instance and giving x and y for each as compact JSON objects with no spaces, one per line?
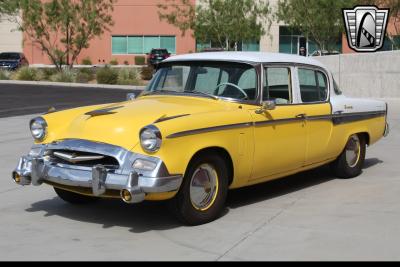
{"x":9,"y":56}
{"x":224,"y":80}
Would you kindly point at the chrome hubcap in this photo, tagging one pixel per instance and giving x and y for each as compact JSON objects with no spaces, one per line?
{"x":353,"y":150}
{"x":203,"y":187}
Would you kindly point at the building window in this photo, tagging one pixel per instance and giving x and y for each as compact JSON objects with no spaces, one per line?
{"x":290,"y":41}
{"x":251,"y":46}
{"x":390,"y":45}
{"x":123,"y":45}
{"x":119,"y":45}
{"x":242,"y":46}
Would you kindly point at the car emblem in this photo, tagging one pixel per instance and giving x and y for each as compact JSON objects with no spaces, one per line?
{"x":365,"y":27}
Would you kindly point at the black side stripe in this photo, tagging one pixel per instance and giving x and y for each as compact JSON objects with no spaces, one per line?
{"x":211,"y":129}
{"x":358,"y":116}
{"x":335,"y":118}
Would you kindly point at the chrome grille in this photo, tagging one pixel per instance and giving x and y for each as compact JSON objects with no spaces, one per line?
{"x":80,"y":158}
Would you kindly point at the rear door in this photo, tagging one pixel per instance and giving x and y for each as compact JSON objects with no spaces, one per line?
{"x":314,"y":95}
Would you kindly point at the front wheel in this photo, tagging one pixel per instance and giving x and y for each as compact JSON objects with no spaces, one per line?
{"x":203,"y":193}
{"x":349,"y":163}
{"x":74,"y":198}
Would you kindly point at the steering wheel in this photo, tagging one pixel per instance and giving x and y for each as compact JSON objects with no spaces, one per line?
{"x":234,"y":86}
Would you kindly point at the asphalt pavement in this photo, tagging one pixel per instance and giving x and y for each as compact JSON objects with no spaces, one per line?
{"x":17,"y":99}
{"x":308,"y":216}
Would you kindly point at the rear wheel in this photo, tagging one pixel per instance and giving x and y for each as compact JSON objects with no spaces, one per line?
{"x":349,"y":163}
{"x":74,"y":198}
{"x":202,"y":196}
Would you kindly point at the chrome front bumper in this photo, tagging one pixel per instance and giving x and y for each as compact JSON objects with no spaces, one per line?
{"x":37,"y":168}
{"x":387,"y":130}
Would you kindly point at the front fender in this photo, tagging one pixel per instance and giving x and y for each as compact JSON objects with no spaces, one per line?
{"x":230,"y":130}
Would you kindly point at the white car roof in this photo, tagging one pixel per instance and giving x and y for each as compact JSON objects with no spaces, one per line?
{"x":252,"y":57}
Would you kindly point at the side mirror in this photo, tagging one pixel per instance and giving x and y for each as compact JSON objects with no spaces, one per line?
{"x":130,"y":96}
{"x":266,"y":105}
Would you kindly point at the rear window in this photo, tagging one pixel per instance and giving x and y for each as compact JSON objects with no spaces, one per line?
{"x":9,"y":56}
{"x":159,"y":51}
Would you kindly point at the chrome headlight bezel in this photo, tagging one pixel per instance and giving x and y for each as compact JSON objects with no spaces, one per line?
{"x":150,"y":138}
{"x":38,"y":128}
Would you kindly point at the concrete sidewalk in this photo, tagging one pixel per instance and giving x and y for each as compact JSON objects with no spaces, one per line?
{"x":309,"y":216}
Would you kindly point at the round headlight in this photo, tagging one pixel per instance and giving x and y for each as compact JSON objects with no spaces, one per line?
{"x":38,"y":128}
{"x":150,"y":138}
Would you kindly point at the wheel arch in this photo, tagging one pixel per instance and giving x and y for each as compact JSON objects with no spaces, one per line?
{"x":366,"y":137}
{"x":222,"y":152}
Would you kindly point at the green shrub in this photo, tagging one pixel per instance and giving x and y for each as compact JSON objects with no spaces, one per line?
{"x":140,"y":60}
{"x":114,"y":61}
{"x":147,"y":73}
{"x":87,"y":71}
{"x":45,"y":74}
{"x":64,"y":76}
{"x":27,"y":74}
{"x":129,"y":76}
{"x":87,"y":61}
{"x":82,"y":77}
{"x":107,"y":75}
{"x":4,"y":75}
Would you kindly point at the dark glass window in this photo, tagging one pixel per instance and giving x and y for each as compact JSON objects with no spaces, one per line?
{"x":313,"y":86}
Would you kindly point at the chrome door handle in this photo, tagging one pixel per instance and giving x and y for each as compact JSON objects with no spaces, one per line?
{"x":301,"y":116}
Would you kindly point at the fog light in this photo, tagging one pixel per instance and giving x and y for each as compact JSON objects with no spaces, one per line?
{"x":126,"y":195}
{"x":144,"y":165}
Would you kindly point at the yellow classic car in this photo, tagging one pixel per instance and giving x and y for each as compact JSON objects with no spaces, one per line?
{"x":206,"y":123}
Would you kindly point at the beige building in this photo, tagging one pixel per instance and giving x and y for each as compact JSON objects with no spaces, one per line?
{"x":10,"y":37}
{"x":270,"y":42}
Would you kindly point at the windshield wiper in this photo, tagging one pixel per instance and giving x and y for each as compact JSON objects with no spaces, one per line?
{"x":202,"y":93}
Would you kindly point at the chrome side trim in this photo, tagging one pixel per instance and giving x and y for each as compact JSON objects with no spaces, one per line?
{"x":335,"y":118}
{"x":210,"y":129}
{"x":279,"y":121}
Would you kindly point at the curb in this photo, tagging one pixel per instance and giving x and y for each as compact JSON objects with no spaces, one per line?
{"x":74,"y":85}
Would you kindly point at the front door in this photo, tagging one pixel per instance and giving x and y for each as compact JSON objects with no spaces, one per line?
{"x":280,"y":134}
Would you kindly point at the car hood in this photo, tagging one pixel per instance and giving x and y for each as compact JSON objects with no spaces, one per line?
{"x":119,"y":124}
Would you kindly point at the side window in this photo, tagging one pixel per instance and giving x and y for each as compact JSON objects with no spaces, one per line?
{"x":313,"y":86}
{"x":248,"y":82}
{"x":277,"y":85}
{"x":322,"y":86}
